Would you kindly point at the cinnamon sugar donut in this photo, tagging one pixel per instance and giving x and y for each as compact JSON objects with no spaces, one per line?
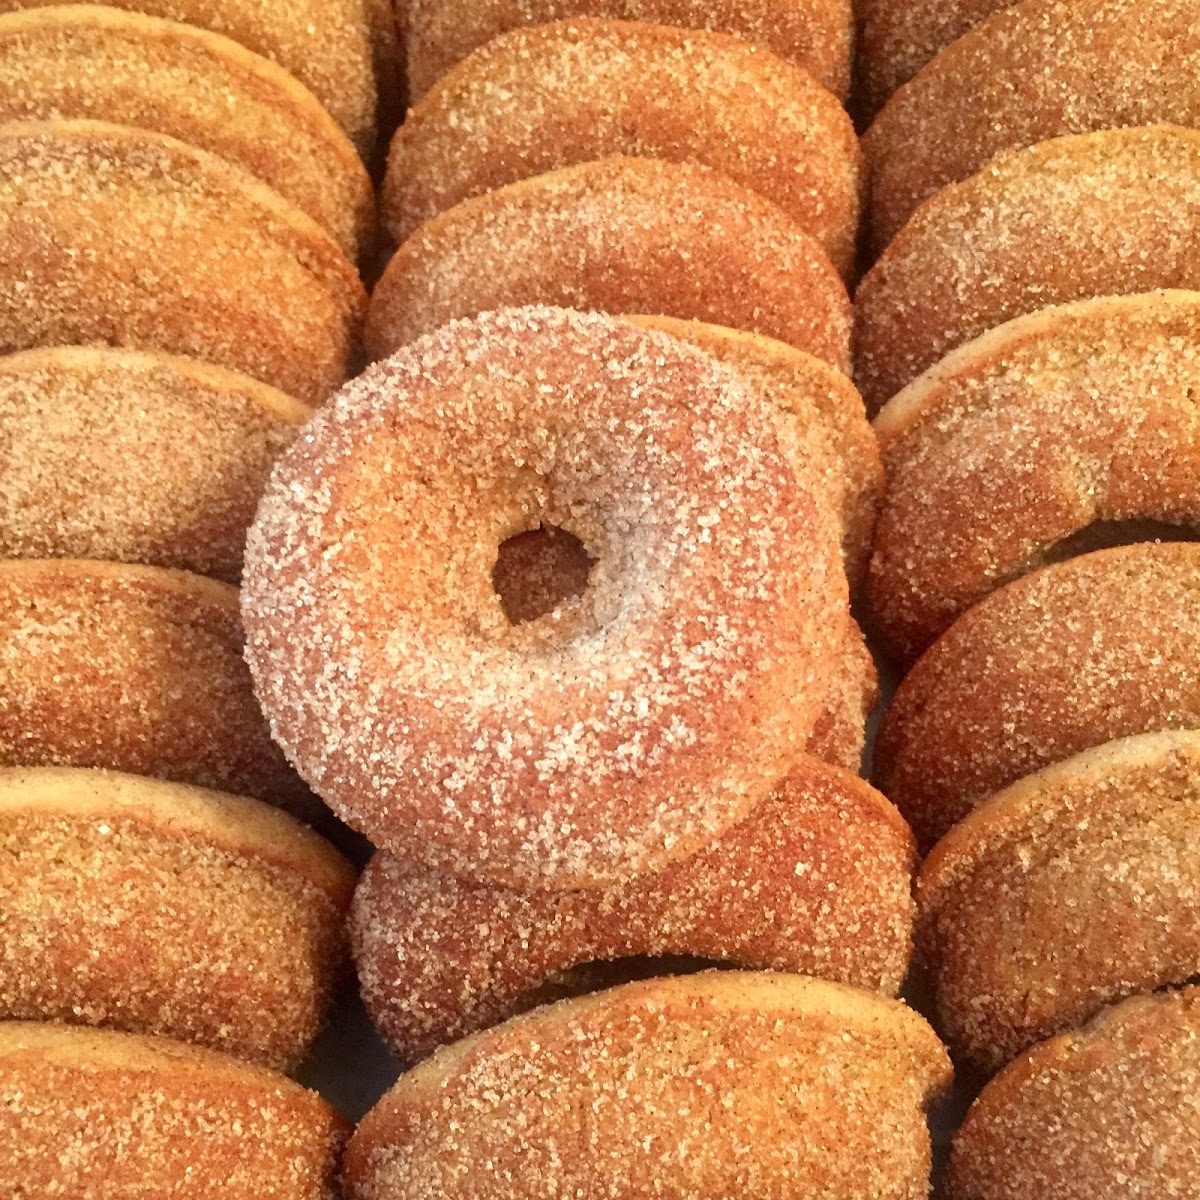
{"x":134,"y":456}
{"x":1035,"y":71}
{"x":118,"y":235}
{"x":95,"y":62}
{"x":1010,"y":451}
{"x":1073,"y":888}
{"x":816,"y":880}
{"x":1082,"y":652}
{"x":624,"y":235}
{"x":1107,"y":213}
{"x":158,"y":908}
{"x":719,"y":1084}
{"x":537,"y":99}
{"x":136,"y":669}
{"x":611,"y":737}
{"x":814,"y":34}
{"x":113,"y":1116}
{"x":1109,"y":1110}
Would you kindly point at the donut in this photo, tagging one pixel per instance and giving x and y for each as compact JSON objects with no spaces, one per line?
{"x":85,"y":1113}
{"x":116,"y":235}
{"x":1073,"y":888}
{"x":627,"y":728}
{"x":159,"y":908}
{"x":1099,"y":647}
{"x":816,"y":880}
{"x":839,"y":736}
{"x":814,"y":34}
{"x":1107,"y":1110}
{"x":623,"y":235}
{"x":136,"y":669}
{"x":550,"y":96}
{"x":88,"y":61}
{"x":1027,"y":443}
{"x":134,"y":456}
{"x":1035,"y":71}
{"x":326,"y":44}
{"x":1109,"y":213}
{"x":718,"y":1084}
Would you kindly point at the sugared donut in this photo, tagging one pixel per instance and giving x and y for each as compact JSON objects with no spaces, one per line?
{"x":1029,"y":440}
{"x":1097,"y":214}
{"x":624,"y":235}
{"x":1070,"y":889}
{"x":1109,"y":1110}
{"x":611,"y":737}
{"x":90,"y":61}
{"x":1035,"y":71}
{"x":719,"y":1084}
{"x":815,"y":881}
{"x":134,"y":456}
{"x":326,"y":44}
{"x":157,"y":908}
{"x":122,"y":236}
{"x":136,"y":669}
{"x":814,"y":34}
{"x":93,"y":1115}
{"x":551,"y":96}
{"x":1096,"y":648}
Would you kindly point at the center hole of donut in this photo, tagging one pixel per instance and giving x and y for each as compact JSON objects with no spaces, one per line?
{"x":538,"y":570}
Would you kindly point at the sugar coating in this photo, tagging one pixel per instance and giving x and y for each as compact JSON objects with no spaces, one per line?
{"x":624,"y":235}
{"x":121,"y":236}
{"x":1025,"y":438}
{"x":616,"y":734}
{"x":1082,"y":652}
{"x":1113,"y":1106}
{"x":1109,"y":213}
{"x":545,"y":97}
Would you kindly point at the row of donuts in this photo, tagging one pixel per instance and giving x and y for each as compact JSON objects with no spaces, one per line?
{"x":1028,"y":336}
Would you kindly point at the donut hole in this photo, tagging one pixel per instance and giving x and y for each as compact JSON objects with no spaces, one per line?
{"x":1106,"y":535}
{"x":538,"y":570}
{"x":600,"y":975}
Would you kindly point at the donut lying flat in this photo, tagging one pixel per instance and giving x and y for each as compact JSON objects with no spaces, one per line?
{"x":623,"y":235}
{"x":97,"y":62}
{"x":135,"y":669}
{"x":1019,"y":442}
{"x":1109,"y":1110}
{"x":663,"y":703}
{"x":1108,"y":213}
{"x":1071,"y":889}
{"x":112,"y":1115}
{"x":121,"y":236}
{"x":1096,"y":648}
{"x":1035,"y":71}
{"x":551,"y":96}
{"x":814,"y":34}
{"x":158,"y":908}
{"x":815,"y":881}
{"x":134,"y":456}
{"x":719,"y":1084}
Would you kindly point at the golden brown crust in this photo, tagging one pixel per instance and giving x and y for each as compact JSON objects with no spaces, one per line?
{"x":1073,"y":888}
{"x":610,"y":738}
{"x":1116,"y":1101}
{"x":622,"y":235}
{"x":157,"y":908}
{"x":116,"y":235}
{"x":814,"y":34}
{"x":1028,"y":437}
{"x":1079,"y":653}
{"x":112,"y":1116}
{"x":134,"y":456}
{"x":538,"y":99}
{"x":1110,"y":213}
{"x":135,"y":669}
{"x":720,"y":1084}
